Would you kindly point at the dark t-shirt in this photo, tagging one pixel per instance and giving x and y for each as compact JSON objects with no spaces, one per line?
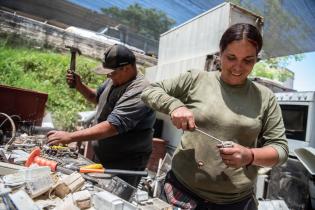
{"x":122,"y":107}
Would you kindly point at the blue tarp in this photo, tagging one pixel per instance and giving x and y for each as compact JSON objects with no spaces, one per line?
{"x":289,"y":24}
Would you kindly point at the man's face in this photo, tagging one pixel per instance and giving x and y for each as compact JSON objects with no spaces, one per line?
{"x":121,"y":75}
{"x":237,"y":61}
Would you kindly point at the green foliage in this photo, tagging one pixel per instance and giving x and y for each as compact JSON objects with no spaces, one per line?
{"x":148,"y":22}
{"x":45,"y":71}
{"x":282,"y":62}
{"x":268,"y":69}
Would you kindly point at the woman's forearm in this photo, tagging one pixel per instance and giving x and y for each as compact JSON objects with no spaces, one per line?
{"x":266,"y":156}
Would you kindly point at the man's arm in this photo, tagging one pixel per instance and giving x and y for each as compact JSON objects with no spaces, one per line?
{"x":98,"y":131}
{"x":88,"y":93}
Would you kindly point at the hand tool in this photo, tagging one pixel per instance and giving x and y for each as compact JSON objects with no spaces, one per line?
{"x":34,"y":158}
{"x":69,"y":171}
{"x":93,"y":166}
{"x":98,"y":168}
{"x":111,"y":171}
{"x":223,"y":143}
{"x":73,"y":51}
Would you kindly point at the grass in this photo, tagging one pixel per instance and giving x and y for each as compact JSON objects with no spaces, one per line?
{"x":44,"y":70}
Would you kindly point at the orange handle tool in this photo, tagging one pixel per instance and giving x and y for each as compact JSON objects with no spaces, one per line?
{"x":34,"y":158}
{"x":114,"y":171}
{"x":92,"y":170}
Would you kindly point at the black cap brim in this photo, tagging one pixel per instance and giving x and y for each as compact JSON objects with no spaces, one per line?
{"x":101,"y":70}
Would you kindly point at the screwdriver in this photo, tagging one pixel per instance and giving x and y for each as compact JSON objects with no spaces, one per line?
{"x":223,"y":143}
{"x":98,"y":168}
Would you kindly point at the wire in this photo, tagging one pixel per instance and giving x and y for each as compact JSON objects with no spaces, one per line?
{"x":17,"y":116}
{"x":13,"y":130}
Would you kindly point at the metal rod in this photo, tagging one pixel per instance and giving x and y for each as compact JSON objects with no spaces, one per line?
{"x":209,"y":135}
{"x":126,"y":172}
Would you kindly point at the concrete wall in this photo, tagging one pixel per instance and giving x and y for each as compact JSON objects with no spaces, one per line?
{"x":45,"y":34}
{"x":62,"y":13}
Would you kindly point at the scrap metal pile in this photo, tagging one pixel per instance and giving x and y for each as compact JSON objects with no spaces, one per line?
{"x":34,"y":175}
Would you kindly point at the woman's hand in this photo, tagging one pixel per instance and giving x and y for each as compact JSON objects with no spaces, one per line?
{"x":183,"y":118}
{"x":58,"y":137}
{"x":236,"y":156}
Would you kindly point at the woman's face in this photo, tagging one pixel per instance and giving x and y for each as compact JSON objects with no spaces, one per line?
{"x":237,"y":61}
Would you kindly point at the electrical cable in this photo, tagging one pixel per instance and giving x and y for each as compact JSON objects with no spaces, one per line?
{"x":13,"y":130}
{"x":17,"y":116}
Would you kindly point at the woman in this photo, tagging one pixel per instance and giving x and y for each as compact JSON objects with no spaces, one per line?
{"x":229,"y":106}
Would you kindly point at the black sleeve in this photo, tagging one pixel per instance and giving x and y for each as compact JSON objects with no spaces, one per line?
{"x":130,"y":110}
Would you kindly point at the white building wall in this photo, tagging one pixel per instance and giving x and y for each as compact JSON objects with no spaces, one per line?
{"x":194,"y":38}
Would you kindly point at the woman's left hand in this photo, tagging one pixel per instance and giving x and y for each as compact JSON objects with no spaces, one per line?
{"x":236,"y":156}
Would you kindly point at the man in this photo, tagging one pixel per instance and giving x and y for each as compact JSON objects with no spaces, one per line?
{"x":123,"y":131}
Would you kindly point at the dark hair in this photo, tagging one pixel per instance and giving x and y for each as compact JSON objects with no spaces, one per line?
{"x":241,"y":31}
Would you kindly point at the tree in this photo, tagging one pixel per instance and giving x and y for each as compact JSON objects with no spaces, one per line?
{"x":275,"y":68}
{"x":148,"y":22}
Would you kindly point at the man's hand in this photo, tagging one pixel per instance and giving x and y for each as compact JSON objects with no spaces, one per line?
{"x":58,"y":137}
{"x":236,"y":156}
{"x":183,"y":118}
{"x":73,"y":79}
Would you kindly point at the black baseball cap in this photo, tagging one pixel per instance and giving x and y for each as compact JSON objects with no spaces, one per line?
{"x":114,"y":57}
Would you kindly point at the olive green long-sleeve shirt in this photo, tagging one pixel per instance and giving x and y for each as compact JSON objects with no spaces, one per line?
{"x":246,"y":114}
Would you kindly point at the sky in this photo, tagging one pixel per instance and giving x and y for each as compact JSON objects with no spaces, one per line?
{"x":304,"y":73}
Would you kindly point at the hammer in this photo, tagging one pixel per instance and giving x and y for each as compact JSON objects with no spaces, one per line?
{"x":73,"y":51}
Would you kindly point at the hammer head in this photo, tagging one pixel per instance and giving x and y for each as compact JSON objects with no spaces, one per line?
{"x":73,"y":49}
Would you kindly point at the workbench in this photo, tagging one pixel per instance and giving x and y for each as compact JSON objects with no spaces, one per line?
{"x":53,"y":180}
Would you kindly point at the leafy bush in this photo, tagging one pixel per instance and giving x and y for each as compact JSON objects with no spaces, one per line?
{"x":45,"y":71}
{"x":265,"y":70}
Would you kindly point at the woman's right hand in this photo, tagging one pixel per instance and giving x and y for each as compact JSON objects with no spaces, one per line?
{"x":73,"y":79}
{"x":183,"y":118}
